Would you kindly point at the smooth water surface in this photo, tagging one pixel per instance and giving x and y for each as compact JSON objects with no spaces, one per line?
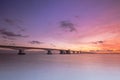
{"x":60,"y":67}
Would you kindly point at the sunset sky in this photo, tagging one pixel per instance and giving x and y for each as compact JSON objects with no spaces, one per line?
{"x":65,"y":24}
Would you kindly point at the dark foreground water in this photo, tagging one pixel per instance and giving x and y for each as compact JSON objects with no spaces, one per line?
{"x":60,"y":67}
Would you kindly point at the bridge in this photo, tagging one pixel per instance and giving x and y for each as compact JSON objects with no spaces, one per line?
{"x":21,"y":49}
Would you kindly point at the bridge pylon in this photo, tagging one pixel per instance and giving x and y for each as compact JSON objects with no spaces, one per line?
{"x":21,"y":52}
{"x":49,"y":52}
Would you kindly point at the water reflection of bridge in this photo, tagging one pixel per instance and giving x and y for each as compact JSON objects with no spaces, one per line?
{"x":21,"y":49}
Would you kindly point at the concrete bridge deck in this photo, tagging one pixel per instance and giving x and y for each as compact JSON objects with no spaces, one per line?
{"x":21,"y":49}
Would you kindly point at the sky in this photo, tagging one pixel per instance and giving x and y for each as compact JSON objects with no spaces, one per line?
{"x":64,"y":24}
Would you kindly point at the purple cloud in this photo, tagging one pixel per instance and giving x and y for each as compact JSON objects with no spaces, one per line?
{"x":7,"y":33}
{"x":67,"y":26}
{"x":97,"y":42}
{"x":36,"y":42}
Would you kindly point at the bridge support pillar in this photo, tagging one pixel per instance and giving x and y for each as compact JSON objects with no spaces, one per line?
{"x":49,"y":52}
{"x":21,"y":52}
{"x":73,"y":52}
{"x":67,"y":52}
{"x":62,"y":52}
{"x":77,"y":52}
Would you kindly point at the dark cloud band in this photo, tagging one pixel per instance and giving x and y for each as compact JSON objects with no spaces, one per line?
{"x":36,"y":42}
{"x":8,"y":33}
{"x":67,"y":26}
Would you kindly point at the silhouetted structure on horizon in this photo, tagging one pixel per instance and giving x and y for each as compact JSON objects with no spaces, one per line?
{"x":21,"y":49}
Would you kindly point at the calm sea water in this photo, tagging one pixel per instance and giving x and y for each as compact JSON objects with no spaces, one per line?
{"x":60,"y":67}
